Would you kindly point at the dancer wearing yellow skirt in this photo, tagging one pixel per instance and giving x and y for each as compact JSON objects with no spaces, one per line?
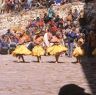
{"x":78,"y":51}
{"x":38,"y":50}
{"x":94,"y":52}
{"x":56,"y":49}
{"x":20,"y":51}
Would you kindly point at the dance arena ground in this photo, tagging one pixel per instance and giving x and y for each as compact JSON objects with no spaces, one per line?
{"x":44,"y":78}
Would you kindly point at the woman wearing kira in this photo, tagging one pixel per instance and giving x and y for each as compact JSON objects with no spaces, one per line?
{"x":56,"y":49}
{"x":38,"y":50}
{"x":21,"y":48}
{"x":79,"y":51}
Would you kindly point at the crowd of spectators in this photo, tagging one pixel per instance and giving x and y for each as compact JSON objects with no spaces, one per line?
{"x":51,"y":23}
{"x":18,"y":5}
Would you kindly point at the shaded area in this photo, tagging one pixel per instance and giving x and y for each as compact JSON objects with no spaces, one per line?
{"x":90,"y":74}
{"x":89,"y":67}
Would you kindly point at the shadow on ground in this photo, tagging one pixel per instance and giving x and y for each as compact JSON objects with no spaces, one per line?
{"x":89,"y":68}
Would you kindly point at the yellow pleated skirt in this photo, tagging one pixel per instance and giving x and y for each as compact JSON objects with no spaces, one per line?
{"x":94,"y":52}
{"x":78,"y":52}
{"x":55,"y":49}
{"x":21,"y":49}
{"x":38,"y":51}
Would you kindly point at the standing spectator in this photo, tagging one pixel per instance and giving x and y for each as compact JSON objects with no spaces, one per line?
{"x":50,"y":12}
{"x":75,"y":15}
{"x":71,"y":36}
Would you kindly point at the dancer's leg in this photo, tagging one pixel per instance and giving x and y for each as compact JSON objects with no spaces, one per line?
{"x":38,"y":58}
{"x":57,"y":57}
{"x":22,"y":57}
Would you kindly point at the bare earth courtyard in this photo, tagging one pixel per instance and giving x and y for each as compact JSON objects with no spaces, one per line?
{"x":44,"y":78}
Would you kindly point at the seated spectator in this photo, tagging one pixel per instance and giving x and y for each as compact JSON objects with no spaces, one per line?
{"x":57,"y":18}
{"x":10,"y":5}
{"x":4,"y":45}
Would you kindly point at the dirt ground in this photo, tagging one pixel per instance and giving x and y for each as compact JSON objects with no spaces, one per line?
{"x":44,"y":78}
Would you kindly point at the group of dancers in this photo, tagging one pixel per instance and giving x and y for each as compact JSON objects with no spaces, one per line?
{"x":55,"y":47}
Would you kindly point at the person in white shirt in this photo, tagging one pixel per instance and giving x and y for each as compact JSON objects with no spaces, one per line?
{"x":47,"y":37}
{"x":46,"y":41}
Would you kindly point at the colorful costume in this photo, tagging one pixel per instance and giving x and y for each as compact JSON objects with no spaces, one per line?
{"x":38,"y":51}
{"x":55,"y":49}
{"x":78,"y":52}
{"x":94,"y":52}
{"x":22,"y":50}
